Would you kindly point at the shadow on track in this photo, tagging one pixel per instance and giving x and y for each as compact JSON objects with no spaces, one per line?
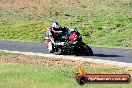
{"x":94,"y":55}
{"x":103,"y":55}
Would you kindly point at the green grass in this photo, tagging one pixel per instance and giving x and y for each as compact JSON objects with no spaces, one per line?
{"x":101,"y":22}
{"x":30,"y":76}
{"x":4,"y":53}
{"x":28,"y":31}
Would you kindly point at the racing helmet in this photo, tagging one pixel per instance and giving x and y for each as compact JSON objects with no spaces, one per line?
{"x":55,"y":25}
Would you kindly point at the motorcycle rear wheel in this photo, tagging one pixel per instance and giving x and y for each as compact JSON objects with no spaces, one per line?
{"x":60,"y":52}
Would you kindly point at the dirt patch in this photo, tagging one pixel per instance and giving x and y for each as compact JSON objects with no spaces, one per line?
{"x":40,"y":6}
{"x":43,"y":61}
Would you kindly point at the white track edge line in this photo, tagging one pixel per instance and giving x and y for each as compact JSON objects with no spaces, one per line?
{"x":120,"y":64}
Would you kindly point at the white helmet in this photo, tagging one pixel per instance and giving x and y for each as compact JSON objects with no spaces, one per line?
{"x":55,"y":25}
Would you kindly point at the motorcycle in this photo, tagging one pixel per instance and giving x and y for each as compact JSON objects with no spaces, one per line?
{"x":71,"y":44}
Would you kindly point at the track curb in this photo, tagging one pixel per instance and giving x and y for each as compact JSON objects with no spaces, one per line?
{"x":120,"y":64}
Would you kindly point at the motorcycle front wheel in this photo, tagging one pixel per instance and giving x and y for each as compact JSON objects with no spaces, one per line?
{"x":88,"y":50}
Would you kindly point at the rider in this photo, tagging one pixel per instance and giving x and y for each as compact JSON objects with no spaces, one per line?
{"x":54,"y":33}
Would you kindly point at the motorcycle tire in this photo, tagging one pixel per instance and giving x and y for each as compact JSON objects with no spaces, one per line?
{"x":60,"y":52}
{"x":88,"y":50}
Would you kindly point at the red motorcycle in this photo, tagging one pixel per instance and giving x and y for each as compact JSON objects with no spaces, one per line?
{"x":70,"y":43}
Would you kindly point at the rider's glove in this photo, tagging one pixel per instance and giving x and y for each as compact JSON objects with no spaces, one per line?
{"x":53,"y":42}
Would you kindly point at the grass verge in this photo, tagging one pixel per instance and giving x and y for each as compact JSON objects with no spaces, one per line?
{"x":20,"y":71}
{"x":29,"y":76}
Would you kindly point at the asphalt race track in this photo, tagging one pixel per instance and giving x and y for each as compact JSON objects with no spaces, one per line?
{"x":112,"y":54}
